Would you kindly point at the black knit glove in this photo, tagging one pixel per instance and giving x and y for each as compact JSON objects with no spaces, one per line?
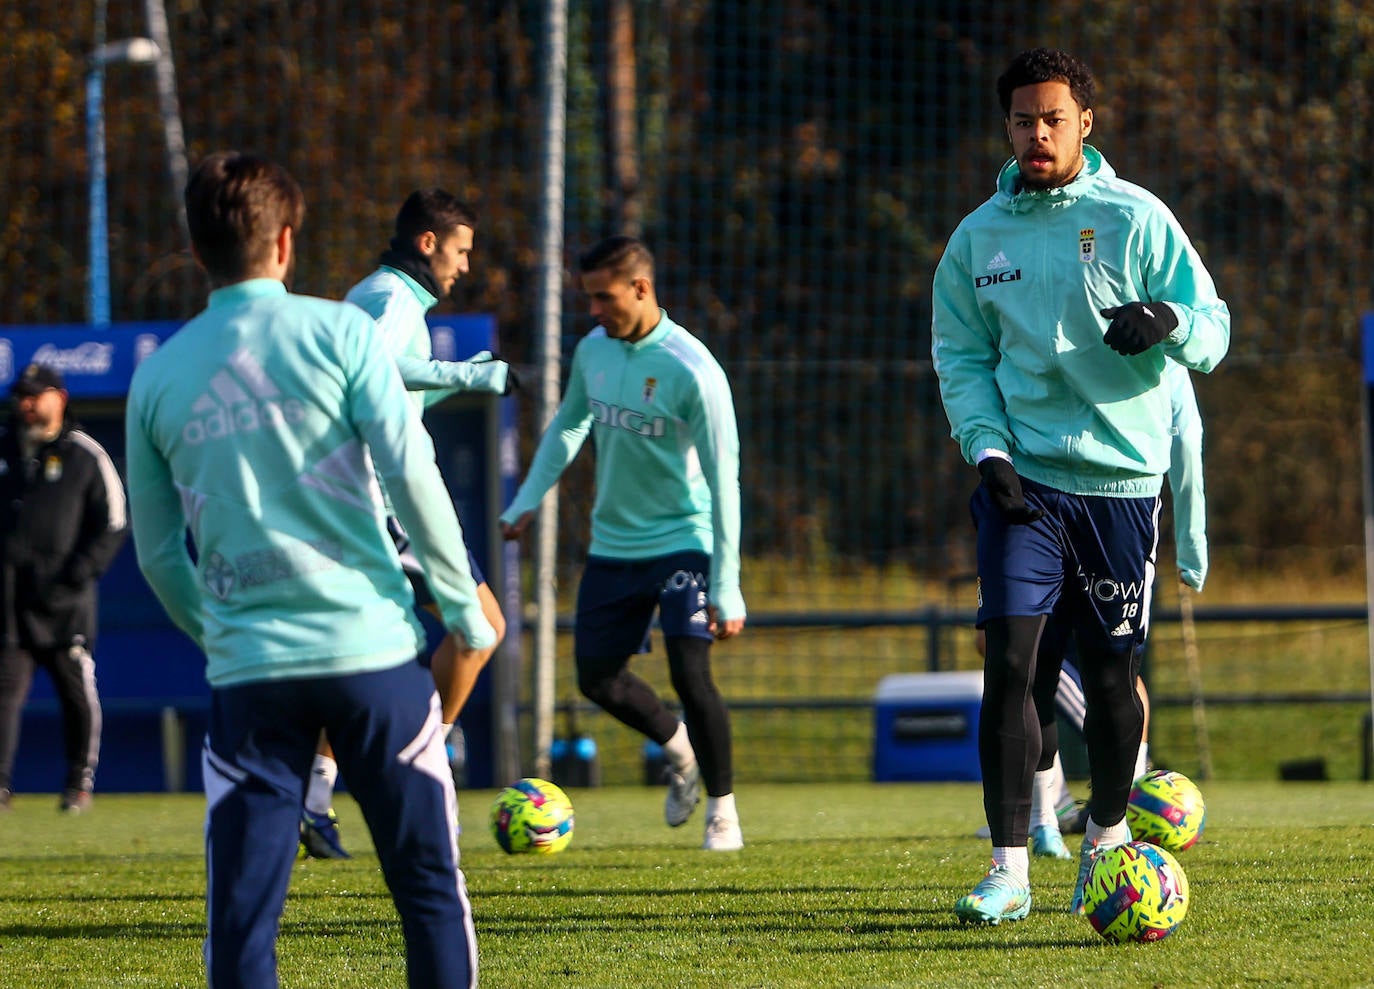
{"x":1138,"y":326}
{"x":512,"y":379}
{"x":1004,"y":487}
{"x":496,"y":370}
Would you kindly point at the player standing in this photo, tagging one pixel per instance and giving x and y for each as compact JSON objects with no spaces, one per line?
{"x":1056,"y":306}
{"x":258,"y":426}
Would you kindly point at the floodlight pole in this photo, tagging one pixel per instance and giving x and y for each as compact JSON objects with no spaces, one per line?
{"x":135,"y":51}
{"x":155,"y":51}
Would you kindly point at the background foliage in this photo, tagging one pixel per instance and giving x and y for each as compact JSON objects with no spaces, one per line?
{"x":797,"y":165}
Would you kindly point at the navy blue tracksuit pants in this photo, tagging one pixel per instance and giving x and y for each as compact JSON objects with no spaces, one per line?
{"x":387,"y":737}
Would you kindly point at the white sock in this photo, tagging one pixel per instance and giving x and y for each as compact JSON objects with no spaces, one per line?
{"x":1015,"y":859}
{"x":1064,"y":798}
{"x":1142,"y":761}
{"x":1118,"y":834}
{"x":319,"y":791}
{"x":678,"y":749}
{"x":721,"y":807}
{"x":1043,"y":788}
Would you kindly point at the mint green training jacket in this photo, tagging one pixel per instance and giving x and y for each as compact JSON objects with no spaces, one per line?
{"x":257,"y":426}
{"x":1016,"y":335}
{"x":399,"y":303}
{"x":667,"y":452}
{"x":1185,"y":479}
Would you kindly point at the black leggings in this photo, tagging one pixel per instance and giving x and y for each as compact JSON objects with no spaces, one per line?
{"x":608,"y":682}
{"x":1017,"y":735}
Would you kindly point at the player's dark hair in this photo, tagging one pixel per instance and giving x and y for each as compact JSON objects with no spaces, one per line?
{"x":432,"y":210}
{"x":1047,"y":65}
{"x":625,"y":256}
{"x":236,"y":206}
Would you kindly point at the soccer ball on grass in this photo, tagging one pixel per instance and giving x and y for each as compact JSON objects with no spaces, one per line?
{"x":1166,"y":809}
{"x":532,"y":815}
{"x":1135,"y":892}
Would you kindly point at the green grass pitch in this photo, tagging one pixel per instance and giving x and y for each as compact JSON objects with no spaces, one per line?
{"x":840,"y":885}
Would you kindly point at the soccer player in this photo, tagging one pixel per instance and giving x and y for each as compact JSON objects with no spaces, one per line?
{"x":665,"y":523}
{"x":259,"y":426}
{"x":428,"y":254}
{"x":1056,"y":307}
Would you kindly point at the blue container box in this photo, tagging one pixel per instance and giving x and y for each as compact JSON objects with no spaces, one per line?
{"x":925,"y":727}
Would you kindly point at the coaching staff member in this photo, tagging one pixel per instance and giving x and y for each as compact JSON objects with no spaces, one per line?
{"x":62,"y":519}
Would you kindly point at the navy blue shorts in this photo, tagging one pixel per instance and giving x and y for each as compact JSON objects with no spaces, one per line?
{"x":410,"y":565}
{"x":617,"y":598}
{"x":1094,"y":552}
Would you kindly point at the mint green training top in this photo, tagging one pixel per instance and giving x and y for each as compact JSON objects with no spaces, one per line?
{"x":1016,"y":335}
{"x":257,"y":425}
{"x":1185,"y":478}
{"x":398,"y":303}
{"x":667,"y":452}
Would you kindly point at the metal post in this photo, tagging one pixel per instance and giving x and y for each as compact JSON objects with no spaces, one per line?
{"x":98,"y":268}
{"x":137,"y":51}
{"x":175,"y":139}
{"x":1367,"y":335}
{"x":550,"y":321}
{"x":97,"y":221}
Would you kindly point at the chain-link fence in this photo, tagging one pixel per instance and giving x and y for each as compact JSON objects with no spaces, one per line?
{"x":797,"y":166}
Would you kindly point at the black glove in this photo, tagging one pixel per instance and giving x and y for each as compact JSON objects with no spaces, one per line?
{"x":1138,"y":326}
{"x":999,"y":477}
{"x":487,"y":357}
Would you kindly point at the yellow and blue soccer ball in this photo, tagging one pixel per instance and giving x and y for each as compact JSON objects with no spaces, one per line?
{"x":1166,"y":809}
{"x":532,"y":815}
{"x":1135,"y":892}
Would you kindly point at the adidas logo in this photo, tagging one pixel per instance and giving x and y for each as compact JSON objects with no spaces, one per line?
{"x":998,"y":262}
{"x":1123,"y":629}
{"x":240,"y":399}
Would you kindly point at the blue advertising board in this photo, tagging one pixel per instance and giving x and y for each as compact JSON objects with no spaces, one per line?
{"x":143,"y":662}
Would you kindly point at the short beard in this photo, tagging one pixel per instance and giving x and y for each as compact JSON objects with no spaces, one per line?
{"x":37,"y":434}
{"x":1038,"y":186}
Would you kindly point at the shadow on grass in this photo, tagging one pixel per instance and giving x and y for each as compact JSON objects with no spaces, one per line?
{"x":159,"y":930}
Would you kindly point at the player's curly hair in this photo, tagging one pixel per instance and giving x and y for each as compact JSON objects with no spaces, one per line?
{"x":1047,"y":65}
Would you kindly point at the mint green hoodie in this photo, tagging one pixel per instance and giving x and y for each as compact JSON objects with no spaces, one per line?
{"x":1016,"y":335}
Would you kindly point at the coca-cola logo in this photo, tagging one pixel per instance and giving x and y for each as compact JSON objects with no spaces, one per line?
{"x":90,"y":357}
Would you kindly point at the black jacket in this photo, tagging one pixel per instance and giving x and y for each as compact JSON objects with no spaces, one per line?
{"x":63,"y":517}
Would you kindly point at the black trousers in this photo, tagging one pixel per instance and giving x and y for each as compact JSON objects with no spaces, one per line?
{"x":72,"y":671}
